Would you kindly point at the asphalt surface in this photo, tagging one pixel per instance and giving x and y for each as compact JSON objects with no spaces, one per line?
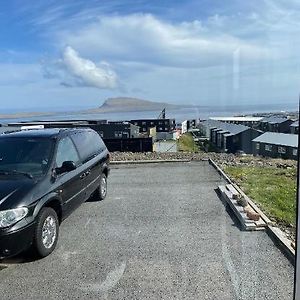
{"x":162,"y":233}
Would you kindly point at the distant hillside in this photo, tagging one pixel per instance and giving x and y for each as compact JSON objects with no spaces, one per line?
{"x":126,"y":104}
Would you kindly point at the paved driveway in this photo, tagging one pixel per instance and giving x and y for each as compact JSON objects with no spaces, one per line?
{"x":162,"y":233}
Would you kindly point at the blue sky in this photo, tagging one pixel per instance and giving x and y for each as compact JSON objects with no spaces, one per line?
{"x":76,"y":53}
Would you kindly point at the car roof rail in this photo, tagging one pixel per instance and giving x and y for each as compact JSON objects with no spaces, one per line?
{"x":30,"y":127}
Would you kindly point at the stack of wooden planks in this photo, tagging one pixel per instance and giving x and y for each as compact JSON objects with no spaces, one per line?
{"x":248,"y":216}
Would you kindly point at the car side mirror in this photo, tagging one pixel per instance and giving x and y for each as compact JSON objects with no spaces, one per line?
{"x":67,"y":166}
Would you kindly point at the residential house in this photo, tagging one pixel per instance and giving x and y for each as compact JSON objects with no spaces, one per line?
{"x":275,"y":124}
{"x":162,"y":125}
{"x":229,"y":137}
{"x":295,"y":127}
{"x":274,"y":144}
{"x":188,"y":124}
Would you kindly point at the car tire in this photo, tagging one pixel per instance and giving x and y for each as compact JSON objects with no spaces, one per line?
{"x":103,"y":187}
{"x":46,"y":232}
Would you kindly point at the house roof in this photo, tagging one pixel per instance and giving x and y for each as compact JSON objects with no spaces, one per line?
{"x":237,"y":119}
{"x":295,"y":124}
{"x":282,"y":139}
{"x":223,"y":131}
{"x":232,"y":129}
{"x":274,"y":120}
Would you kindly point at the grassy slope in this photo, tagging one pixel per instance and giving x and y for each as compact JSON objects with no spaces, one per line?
{"x":186,"y":143}
{"x":273,"y":188}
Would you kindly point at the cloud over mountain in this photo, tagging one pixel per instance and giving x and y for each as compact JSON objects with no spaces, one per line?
{"x":73,"y":70}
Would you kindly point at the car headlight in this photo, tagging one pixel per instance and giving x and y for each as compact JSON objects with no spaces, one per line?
{"x":12,"y":216}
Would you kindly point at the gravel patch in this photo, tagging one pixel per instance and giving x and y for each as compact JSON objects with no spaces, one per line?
{"x":222,"y":159}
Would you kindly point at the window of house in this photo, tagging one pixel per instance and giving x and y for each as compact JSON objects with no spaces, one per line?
{"x":281,"y":150}
{"x":295,"y":152}
{"x":268,"y":147}
{"x":118,"y":134}
{"x":257,"y":146}
{"x":143,"y":123}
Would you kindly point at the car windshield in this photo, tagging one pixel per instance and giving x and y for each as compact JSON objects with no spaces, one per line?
{"x":29,"y":156}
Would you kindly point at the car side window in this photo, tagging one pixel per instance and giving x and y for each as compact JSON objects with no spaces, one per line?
{"x":88,"y":143}
{"x":66,"y":151}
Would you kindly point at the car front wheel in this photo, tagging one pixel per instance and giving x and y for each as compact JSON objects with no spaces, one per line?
{"x":46,"y":232}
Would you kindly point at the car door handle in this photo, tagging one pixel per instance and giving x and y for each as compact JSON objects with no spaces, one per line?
{"x":85,"y":174}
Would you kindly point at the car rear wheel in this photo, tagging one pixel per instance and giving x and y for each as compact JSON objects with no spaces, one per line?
{"x":46,"y":232}
{"x":103,"y":187}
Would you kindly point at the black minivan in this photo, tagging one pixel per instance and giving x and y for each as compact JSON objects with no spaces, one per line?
{"x":44,"y":175}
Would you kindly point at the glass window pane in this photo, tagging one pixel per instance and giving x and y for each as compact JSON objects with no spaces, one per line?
{"x":66,"y":151}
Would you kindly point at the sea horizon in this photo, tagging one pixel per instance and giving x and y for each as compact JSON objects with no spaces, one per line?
{"x":180,"y":114}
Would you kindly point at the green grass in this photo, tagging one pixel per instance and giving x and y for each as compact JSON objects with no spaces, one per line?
{"x":186,"y":143}
{"x":273,"y":188}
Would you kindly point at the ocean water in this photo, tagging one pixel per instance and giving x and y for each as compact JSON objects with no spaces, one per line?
{"x":178,"y":114}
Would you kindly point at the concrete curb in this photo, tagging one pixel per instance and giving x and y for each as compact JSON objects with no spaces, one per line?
{"x":275,"y":233}
{"x":283,"y":243}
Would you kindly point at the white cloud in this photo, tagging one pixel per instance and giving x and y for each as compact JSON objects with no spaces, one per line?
{"x":74,"y":70}
{"x":88,"y":72}
{"x":144,"y":38}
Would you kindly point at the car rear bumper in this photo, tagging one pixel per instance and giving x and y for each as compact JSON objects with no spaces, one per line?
{"x":12,"y":243}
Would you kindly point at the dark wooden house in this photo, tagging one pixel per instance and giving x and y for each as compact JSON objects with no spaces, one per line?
{"x":274,"y":144}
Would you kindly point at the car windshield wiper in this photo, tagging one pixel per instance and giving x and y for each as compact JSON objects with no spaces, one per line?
{"x":15,"y":172}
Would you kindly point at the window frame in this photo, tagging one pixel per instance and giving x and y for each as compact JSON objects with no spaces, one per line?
{"x":87,"y":158}
{"x":78,"y":163}
{"x":268,"y":147}
{"x":281,"y":150}
{"x":295,"y":152}
{"x":118,"y":133}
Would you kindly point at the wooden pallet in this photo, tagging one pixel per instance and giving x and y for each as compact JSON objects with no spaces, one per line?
{"x":230,"y":194}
